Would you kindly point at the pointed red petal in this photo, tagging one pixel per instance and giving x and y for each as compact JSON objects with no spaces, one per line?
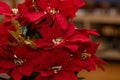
{"x":35,"y":17}
{"x":99,"y":62}
{"x":6,"y":64}
{"x":70,"y":30}
{"x":79,"y":38}
{"x":5,"y":9}
{"x":25,"y":70}
{"x":79,"y":3}
{"x":16,"y":75}
{"x":72,"y":47}
{"x":54,"y":3}
{"x":62,"y":21}
{"x":93,"y":32}
{"x":91,"y":47}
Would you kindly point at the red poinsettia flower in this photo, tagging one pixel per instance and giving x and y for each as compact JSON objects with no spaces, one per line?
{"x":86,"y":53}
{"x":67,"y":8}
{"x":57,"y":37}
{"x":56,"y":66}
{"x":92,"y":50}
{"x":86,"y":56}
{"x":18,"y":62}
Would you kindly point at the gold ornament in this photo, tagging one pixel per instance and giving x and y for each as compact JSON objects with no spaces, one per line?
{"x":18,"y":35}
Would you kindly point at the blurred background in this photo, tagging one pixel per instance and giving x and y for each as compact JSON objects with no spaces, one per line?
{"x":103,"y":16}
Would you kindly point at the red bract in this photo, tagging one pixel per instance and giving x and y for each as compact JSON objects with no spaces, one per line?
{"x":8,"y":12}
{"x":29,"y":12}
{"x":88,"y":32}
{"x":5,"y":10}
{"x":4,"y":34}
{"x":68,"y":8}
{"x":18,"y":63}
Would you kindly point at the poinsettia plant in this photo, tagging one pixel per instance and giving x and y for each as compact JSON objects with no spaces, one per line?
{"x":37,"y":41}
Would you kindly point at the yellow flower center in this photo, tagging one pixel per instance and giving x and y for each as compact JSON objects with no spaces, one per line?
{"x":56,"y":69}
{"x":85,"y":55}
{"x":15,"y":11}
{"x":53,"y":11}
{"x":57,"y":40}
{"x":18,"y":61}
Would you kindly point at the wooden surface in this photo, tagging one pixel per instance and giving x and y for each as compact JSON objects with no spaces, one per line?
{"x":112,"y":72}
